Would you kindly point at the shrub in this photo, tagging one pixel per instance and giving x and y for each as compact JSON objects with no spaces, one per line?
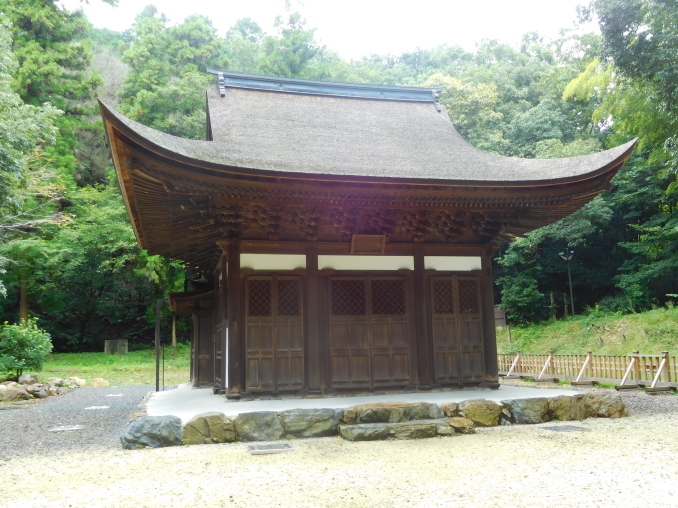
{"x":23,"y":347}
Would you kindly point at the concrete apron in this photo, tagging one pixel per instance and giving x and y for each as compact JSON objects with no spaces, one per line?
{"x":187,"y":402}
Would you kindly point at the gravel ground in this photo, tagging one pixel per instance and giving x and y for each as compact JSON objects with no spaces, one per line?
{"x":25,"y":431}
{"x":629,"y":462}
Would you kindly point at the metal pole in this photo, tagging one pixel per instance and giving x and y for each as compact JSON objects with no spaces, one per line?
{"x":569,"y":277}
{"x":567,"y":255}
{"x":158,"y":307}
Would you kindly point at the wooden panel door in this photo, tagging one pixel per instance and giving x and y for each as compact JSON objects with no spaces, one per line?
{"x":349,"y":333}
{"x":470,"y":329}
{"x":457,"y":329}
{"x":274,"y":334}
{"x":389,"y":332}
{"x":369,"y":332}
{"x":445,"y":330}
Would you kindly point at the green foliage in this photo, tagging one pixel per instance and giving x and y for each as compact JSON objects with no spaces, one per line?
{"x":166,"y":86}
{"x":177,"y":107}
{"x":23,"y":347}
{"x":25,"y":129}
{"x":471,"y":109}
{"x":605,"y":333}
{"x":293,"y":50}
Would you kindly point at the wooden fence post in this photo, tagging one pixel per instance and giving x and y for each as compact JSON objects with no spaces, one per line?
{"x":509,"y":374}
{"x":578,"y":381}
{"x":633,"y":367}
{"x":548,"y":366}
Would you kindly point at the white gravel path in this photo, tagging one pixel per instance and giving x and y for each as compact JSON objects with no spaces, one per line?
{"x":629,"y":462}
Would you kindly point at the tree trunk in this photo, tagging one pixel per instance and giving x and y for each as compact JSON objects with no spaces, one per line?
{"x":567,"y":305}
{"x":174,"y":330}
{"x":553,"y":306}
{"x":23,"y":300}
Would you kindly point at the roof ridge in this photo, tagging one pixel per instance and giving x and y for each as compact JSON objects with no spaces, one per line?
{"x":324,"y":88}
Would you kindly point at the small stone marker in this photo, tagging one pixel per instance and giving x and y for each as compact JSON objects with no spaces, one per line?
{"x":66,"y":428}
{"x":98,"y":407}
{"x":566,"y":428}
{"x":265,"y":449}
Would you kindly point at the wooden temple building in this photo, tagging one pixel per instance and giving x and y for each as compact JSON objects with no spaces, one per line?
{"x":344,"y":233}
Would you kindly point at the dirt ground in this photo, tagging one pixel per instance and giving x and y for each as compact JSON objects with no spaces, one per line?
{"x":629,"y":462}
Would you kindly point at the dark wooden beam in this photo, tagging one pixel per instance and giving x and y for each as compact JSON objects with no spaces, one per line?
{"x":236,"y":336}
{"x":313,"y":356}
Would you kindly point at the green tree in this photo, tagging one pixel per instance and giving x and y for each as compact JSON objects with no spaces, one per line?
{"x":293,"y":51}
{"x":472,"y":111}
{"x":23,"y":347}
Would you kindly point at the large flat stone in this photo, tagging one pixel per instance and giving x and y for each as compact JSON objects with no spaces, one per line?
{"x":310,"y":422}
{"x":259,"y":426}
{"x":416,"y":429}
{"x":392,"y":412}
{"x":364,"y":432}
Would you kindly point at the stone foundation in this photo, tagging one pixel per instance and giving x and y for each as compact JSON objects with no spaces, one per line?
{"x":380,"y":421}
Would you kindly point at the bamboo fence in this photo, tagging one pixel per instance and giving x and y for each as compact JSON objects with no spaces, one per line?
{"x":600,"y":367}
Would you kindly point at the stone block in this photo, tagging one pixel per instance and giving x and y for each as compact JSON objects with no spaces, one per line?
{"x":116,"y":347}
{"x":310,"y":422}
{"x":450,"y":409}
{"x":27,"y":379}
{"x":10,"y":393}
{"x":364,"y":432}
{"x":528,"y":411}
{"x":484,"y":413}
{"x":207,"y":428}
{"x":98,"y":381}
{"x":259,"y":426}
{"x":393,"y":412}
{"x":603,"y":404}
{"x":461,"y":425}
{"x":413,"y":430}
{"x":567,"y":408}
{"x":152,"y":432}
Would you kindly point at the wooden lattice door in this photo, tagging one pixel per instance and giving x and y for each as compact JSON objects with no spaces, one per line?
{"x":458,"y":347}
{"x":369,"y":332}
{"x":274,"y":334}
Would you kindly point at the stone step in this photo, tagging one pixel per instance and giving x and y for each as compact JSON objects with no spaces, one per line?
{"x":392,"y":412}
{"x":418,"y":429}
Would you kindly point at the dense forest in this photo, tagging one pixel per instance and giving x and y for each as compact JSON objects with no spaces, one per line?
{"x":68,"y":256}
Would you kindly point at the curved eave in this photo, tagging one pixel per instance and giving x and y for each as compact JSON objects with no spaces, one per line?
{"x":208,"y":158}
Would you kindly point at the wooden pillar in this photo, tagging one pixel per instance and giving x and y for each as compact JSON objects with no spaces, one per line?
{"x":235,"y":363}
{"x":313,"y":354}
{"x":423,"y":335}
{"x":489,"y":331}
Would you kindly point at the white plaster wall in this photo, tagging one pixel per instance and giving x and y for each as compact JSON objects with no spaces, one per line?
{"x":452,"y":263}
{"x":272,"y":261}
{"x":366,"y":262}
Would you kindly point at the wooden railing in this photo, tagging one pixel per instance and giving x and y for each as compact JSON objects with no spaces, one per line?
{"x":642,"y":370}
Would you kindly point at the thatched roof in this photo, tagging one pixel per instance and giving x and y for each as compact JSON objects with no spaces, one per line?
{"x":298,"y":160}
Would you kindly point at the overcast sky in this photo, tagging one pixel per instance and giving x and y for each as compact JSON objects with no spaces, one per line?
{"x":354,"y":28}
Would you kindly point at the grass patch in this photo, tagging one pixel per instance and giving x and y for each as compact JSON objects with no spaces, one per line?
{"x":134,"y":368}
{"x":605,"y":334}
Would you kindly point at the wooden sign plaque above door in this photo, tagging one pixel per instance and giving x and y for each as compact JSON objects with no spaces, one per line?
{"x":368,"y":244}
